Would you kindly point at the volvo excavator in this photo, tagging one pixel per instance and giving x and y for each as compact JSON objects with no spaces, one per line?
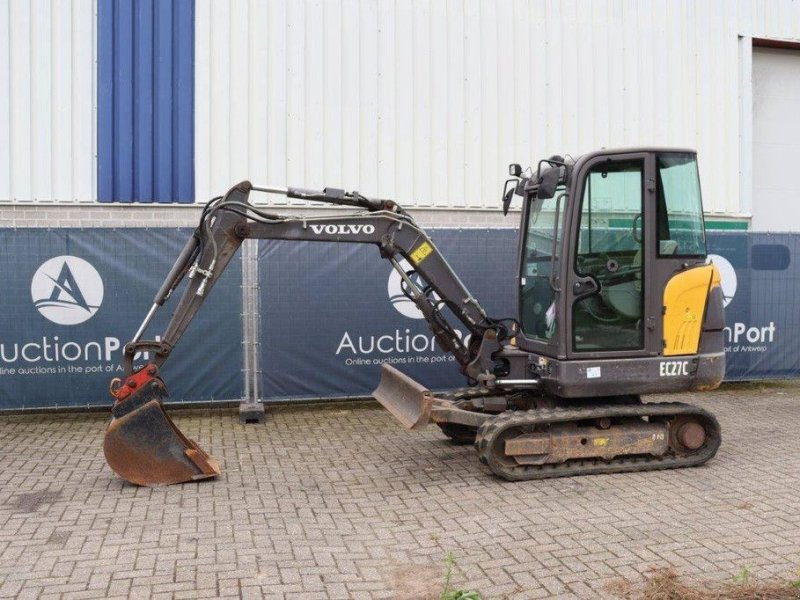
{"x":615,"y":298}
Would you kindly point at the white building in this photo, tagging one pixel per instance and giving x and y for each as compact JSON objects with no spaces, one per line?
{"x":426,"y":102}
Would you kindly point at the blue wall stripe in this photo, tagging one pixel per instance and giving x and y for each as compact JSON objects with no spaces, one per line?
{"x":183,"y":128}
{"x":145,"y":117}
{"x":105,"y":103}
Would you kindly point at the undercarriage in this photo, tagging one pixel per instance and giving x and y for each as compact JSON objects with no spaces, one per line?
{"x":522,"y":435}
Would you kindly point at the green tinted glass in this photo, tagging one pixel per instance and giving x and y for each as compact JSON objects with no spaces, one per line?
{"x":680,"y":208}
{"x":540,"y":260}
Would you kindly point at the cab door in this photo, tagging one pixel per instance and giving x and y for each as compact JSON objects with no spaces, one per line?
{"x":612,"y":313}
{"x":681,"y":276}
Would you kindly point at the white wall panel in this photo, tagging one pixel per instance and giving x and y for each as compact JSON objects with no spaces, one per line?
{"x":776,"y":139}
{"x":425,"y":101}
{"x":47,"y":99}
{"x":428,"y":101}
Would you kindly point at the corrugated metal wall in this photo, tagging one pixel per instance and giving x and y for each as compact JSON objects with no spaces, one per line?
{"x":429,"y":101}
{"x":426,"y":101}
{"x":46,"y":101}
{"x":145,"y":120}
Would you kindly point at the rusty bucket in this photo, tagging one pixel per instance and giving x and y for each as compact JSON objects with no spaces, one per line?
{"x":407,"y":400}
{"x":143,"y":446}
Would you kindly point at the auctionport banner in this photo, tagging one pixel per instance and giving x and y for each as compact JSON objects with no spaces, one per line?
{"x":761,"y":286}
{"x":72,"y":298}
{"x":332,"y":313}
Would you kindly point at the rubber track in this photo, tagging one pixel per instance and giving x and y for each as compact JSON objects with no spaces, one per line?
{"x":489,"y":431}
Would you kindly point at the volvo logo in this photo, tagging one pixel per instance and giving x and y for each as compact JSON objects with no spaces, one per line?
{"x":343,"y":229}
{"x":67,"y":290}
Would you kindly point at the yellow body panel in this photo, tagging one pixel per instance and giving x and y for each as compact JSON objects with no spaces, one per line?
{"x":685,"y":297}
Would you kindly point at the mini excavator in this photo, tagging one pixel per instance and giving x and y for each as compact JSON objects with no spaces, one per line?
{"x":615,"y":298}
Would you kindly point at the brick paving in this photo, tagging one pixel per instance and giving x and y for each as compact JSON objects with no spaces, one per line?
{"x":339,"y":502}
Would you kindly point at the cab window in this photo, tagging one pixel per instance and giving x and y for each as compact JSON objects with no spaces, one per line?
{"x":609,"y":253}
{"x":681,"y":231}
{"x":540,"y":265}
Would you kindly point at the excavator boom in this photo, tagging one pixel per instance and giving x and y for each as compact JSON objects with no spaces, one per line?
{"x":143,"y":446}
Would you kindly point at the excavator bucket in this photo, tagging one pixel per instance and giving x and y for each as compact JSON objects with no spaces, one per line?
{"x":142,"y":444}
{"x":407,"y":400}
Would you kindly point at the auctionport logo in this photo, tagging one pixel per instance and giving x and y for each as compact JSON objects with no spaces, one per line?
{"x":727,"y":274}
{"x":399,"y":300}
{"x":67,"y":290}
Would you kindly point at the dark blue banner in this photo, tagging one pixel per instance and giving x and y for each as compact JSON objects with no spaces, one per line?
{"x":332,"y":313}
{"x":761,"y":285}
{"x":74,"y":297}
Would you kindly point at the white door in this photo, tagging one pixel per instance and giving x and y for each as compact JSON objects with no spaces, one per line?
{"x":776,"y":139}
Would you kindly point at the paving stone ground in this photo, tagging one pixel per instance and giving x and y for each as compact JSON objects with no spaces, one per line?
{"x":338,"y":501}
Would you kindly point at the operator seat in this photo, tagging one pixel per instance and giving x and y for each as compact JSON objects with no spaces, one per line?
{"x":626,"y":297}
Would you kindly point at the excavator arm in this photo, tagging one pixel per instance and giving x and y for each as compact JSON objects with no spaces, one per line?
{"x":142,"y":444}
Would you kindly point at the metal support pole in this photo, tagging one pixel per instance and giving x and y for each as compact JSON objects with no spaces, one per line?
{"x":251,"y":409}
{"x":256,"y":324}
{"x":246,"y":368}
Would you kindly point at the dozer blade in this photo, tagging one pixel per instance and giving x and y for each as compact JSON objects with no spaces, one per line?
{"x":407,"y":400}
{"x":142,"y":444}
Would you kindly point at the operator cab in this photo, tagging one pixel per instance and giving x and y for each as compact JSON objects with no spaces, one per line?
{"x":601,"y":237}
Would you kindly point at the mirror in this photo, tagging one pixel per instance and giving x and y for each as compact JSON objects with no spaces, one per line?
{"x":548,"y":183}
{"x":636,"y":229}
{"x":508,"y":194}
{"x":514,"y":170}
